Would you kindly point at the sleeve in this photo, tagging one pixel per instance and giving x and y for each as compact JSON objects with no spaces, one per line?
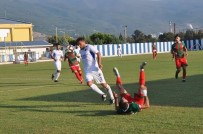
{"x":93,"y":49}
{"x":53,"y":54}
{"x":135,"y":107}
{"x":62,"y":55}
{"x":173,"y":47}
{"x":184,"y":44}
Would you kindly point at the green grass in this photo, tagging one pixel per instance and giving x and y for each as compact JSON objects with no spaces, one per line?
{"x":31,"y":103}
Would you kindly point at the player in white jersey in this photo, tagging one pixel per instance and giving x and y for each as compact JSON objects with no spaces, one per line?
{"x":57,"y":56}
{"x":77,"y":50}
{"x":91,"y":59}
{"x":119,"y":51}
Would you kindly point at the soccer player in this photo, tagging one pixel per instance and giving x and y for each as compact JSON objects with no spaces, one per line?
{"x":179,"y":52}
{"x":77,"y":50}
{"x":74,"y":65}
{"x":119,"y":51}
{"x":91,"y":59}
{"x":154,"y":51}
{"x":26,"y":59}
{"x":127,"y":104}
{"x":57,"y":56}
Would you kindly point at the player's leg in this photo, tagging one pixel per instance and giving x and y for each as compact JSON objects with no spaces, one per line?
{"x":184,"y":66}
{"x":142,"y":74}
{"x":58,"y":71}
{"x":141,"y":98}
{"x":99,"y":79}
{"x":142,"y":82}
{"x":178,"y":67}
{"x":89,"y":78}
{"x":77,"y":74}
{"x":119,"y":85}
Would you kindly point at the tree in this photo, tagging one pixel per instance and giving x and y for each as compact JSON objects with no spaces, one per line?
{"x":63,"y":40}
{"x":138,"y":36}
{"x":189,"y":35}
{"x":166,"y":37}
{"x":102,"y":38}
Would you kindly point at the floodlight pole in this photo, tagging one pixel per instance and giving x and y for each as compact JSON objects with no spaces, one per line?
{"x":56,"y":35}
{"x":125,"y":33}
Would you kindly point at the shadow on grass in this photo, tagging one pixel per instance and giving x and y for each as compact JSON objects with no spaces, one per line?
{"x":49,"y":109}
{"x":167,"y":92}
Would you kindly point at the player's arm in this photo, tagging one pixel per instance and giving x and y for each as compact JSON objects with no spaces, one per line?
{"x":99,"y":60}
{"x":172,"y":51}
{"x":116,"y":101}
{"x":185,"y":49}
{"x":146,"y":103}
{"x":95,"y":51}
{"x":52,"y":56}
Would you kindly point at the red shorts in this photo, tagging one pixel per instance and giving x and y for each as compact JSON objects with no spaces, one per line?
{"x":75,"y":68}
{"x":180,"y":62}
{"x":139,"y":99}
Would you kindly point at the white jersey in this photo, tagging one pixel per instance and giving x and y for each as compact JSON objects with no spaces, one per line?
{"x":119,"y":50}
{"x":89,"y":60}
{"x":57,"y":55}
{"x":78,"y":53}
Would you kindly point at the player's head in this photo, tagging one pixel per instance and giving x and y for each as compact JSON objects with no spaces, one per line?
{"x":81,"y":42}
{"x":123,"y":104}
{"x":177,"y":38}
{"x":58,"y":46}
{"x":70,"y":49}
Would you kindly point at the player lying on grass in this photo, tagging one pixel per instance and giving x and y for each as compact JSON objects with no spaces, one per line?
{"x":127,"y":104}
{"x":179,"y":52}
{"x":72,"y":56}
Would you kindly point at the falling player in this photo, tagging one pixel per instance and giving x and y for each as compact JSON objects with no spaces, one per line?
{"x":154,"y":51}
{"x":119,"y":51}
{"x":72,"y":56}
{"x":91,"y":59}
{"x":26,"y":59}
{"x":127,"y":104}
{"x":179,"y":52}
{"x":57,"y":56}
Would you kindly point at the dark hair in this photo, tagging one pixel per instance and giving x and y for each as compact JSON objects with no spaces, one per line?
{"x":123,"y":105}
{"x":177,"y":35}
{"x":57,"y":44}
{"x":79,"y":39}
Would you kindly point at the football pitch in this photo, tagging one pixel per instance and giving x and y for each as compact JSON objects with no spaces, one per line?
{"x":30,"y":103}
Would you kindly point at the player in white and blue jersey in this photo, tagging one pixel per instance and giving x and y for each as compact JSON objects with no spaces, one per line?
{"x":91,"y":59}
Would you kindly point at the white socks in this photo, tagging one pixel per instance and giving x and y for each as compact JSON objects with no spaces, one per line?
{"x":96,"y":89}
{"x":57,"y":76}
{"x":108,"y":88}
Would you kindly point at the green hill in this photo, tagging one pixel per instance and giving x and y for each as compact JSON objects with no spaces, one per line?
{"x":88,"y":16}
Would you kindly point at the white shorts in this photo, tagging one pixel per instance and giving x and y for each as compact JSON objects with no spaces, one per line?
{"x":57,"y":65}
{"x":96,"y":76}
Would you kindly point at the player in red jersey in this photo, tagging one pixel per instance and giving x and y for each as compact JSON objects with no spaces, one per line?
{"x":71,"y":56}
{"x":127,"y":104}
{"x":26,"y":59}
{"x":179,"y":52}
{"x":154,"y":51}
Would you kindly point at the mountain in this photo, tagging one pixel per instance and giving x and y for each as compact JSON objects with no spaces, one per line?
{"x":88,"y":16}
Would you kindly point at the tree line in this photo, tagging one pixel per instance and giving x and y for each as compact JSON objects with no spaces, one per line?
{"x":137,"y":37}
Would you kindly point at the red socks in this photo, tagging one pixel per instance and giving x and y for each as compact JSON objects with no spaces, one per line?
{"x":118,"y":80}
